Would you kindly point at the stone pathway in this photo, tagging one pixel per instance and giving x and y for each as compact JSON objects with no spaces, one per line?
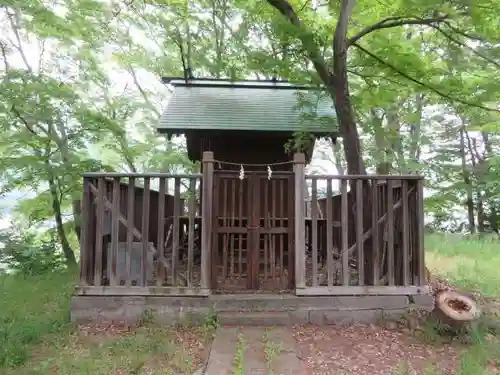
{"x":254,"y":351}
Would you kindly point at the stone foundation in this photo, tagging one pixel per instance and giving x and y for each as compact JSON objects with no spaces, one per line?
{"x":232,"y":309}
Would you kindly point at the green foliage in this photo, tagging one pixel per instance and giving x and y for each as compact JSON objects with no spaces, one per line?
{"x":29,"y":255}
{"x":31,"y":307}
{"x":80,"y":90}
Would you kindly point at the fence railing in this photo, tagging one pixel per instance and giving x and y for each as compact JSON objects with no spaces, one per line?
{"x":155,"y":234}
{"x":143,"y":231}
{"x":363,"y":235}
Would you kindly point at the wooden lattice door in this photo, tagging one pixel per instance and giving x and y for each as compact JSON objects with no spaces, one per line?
{"x":252,"y":244}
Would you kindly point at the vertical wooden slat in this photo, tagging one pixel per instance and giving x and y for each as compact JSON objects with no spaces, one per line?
{"x":161,"y":232}
{"x":359,"y":232}
{"x":375,"y":233}
{"x":284,"y":208}
{"x":240,"y":224}
{"x":314,"y":226}
{"x":232,"y":222}
{"x":250,"y":230}
{"x":267,"y":226}
{"x":283,"y":194}
{"x":115,"y":227}
{"x":275,"y":222}
{"x":101,"y":190}
{"x":225,"y":221}
{"x":85,"y":239}
{"x":406,"y":233}
{"x":207,"y":212}
{"x":254,"y":233}
{"x":130,"y":228}
{"x":290,"y":233}
{"x":300,"y":230}
{"x":345,"y":232}
{"x":390,"y":233}
{"x":329,"y":231}
{"x":145,"y":232}
{"x":191,"y":216}
{"x":175,"y":238}
{"x":420,"y":223}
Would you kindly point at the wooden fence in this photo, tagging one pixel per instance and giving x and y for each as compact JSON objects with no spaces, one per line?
{"x":142,"y":235}
{"x":365,"y":238}
{"x":159,"y":234}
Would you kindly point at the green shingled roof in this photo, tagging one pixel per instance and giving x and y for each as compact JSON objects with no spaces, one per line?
{"x":238,"y":107}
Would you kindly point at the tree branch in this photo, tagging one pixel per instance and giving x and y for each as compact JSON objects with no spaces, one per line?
{"x":390,"y":22}
{"x":307,"y":39}
{"x":463,"y":33}
{"x":464,"y":45}
{"x":428,"y":87}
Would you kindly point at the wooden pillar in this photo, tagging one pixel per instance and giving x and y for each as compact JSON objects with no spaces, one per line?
{"x":85,"y":234}
{"x":420,"y":235}
{"x":299,"y":163}
{"x":206,"y":216}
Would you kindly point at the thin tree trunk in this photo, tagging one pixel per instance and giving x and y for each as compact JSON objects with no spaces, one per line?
{"x":415,"y":129}
{"x":467,"y":181}
{"x":337,"y":158}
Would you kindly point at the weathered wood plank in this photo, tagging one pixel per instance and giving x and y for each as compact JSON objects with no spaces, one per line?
{"x":359,"y":232}
{"x":130,"y":226}
{"x":160,"y":277}
{"x":300,"y":225}
{"x":314,"y":235}
{"x":140,"y":291}
{"x":176,"y":228}
{"x":390,"y":234}
{"x":191,"y":214}
{"x":115,"y":227}
{"x":145,"y":232}
{"x":329,"y":232}
{"x":420,"y":223}
{"x":206,"y":226}
{"x":86,"y":246}
{"x":375,"y":234}
{"x":101,"y":190}
{"x":362,"y":290}
{"x":364,"y":177}
{"x":345,"y":244}
{"x":406,"y":234}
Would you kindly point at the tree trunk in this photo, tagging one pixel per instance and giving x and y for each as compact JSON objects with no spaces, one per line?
{"x":467,"y":181}
{"x":337,"y":158}
{"x":415,"y":129}
{"x":339,"y":91}
{"x":381,"y":159}
{"x":56,"y":207}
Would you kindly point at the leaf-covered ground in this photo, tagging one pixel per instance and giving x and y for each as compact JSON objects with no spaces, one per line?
{"x":37,"y":338}
{"x":465,"y":264}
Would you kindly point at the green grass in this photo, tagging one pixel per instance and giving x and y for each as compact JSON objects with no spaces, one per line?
{"x":468,"y":262}
{"x":471,"y":264}
{"x":37,"y":338}
{"x":30,"y":309}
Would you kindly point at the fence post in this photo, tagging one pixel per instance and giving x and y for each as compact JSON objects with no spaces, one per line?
{"x":420,"y":235}
{"x":206,"y":216}
{"x":85,"y":243}
{"x":299,"y":162}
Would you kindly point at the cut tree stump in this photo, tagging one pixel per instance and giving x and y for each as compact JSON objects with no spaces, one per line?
{"x":456,"y":310}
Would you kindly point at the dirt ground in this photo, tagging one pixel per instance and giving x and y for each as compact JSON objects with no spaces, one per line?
{"x":371,"y":350}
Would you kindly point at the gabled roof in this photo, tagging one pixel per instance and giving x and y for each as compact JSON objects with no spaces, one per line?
{"x":202,"y":104}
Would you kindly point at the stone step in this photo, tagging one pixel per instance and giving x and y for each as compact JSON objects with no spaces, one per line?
{"x":265,"y":318}
{"x":260,"y":350}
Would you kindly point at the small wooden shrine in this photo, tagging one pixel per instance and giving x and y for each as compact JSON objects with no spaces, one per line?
{"x":243,"y":224}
